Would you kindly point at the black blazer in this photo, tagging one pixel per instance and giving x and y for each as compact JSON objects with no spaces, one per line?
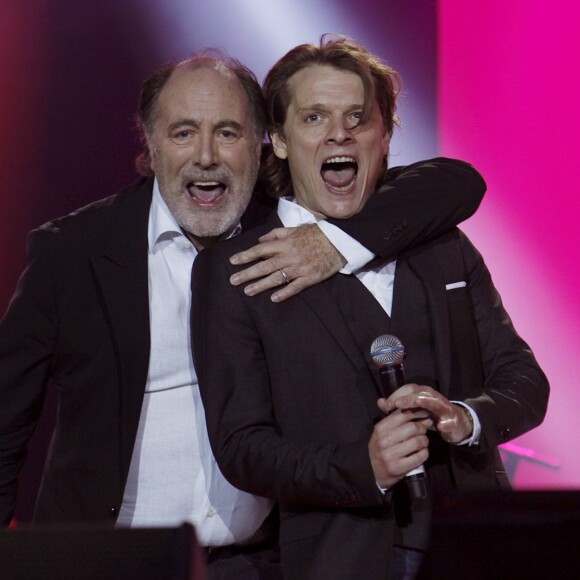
{"x":290,"y":397}
{"x":80,"y":318}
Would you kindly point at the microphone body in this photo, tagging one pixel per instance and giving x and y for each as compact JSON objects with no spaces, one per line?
{"x":387,"y":352}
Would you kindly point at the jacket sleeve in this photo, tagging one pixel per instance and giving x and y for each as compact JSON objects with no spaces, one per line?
{"x":416,"y":204}
{"x":28,"y":333}
{"x":236,"y":381}
{"x":514,"y":396}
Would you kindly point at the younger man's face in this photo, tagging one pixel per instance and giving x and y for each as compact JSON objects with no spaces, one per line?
{"x":334,"y":160}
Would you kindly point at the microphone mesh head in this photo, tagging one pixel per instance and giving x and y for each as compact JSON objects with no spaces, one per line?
{"x":387,"y":350}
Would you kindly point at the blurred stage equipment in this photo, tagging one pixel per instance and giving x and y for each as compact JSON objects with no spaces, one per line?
{"x":512,"y":455}
{"x":505,"y":535}
{"x":94,"y":553}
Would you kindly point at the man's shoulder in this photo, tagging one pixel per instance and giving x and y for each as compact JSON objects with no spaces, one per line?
{"x":103,"y":214}
{"x":213,"y":266}
{"x":243,"y":241}
{"x":440,"y":244}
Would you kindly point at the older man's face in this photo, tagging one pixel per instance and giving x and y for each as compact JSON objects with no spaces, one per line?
{"x":204,"y":150}
{"x":334,"y":160}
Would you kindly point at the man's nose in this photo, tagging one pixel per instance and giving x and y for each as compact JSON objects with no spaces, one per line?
{"x":206,"y":154}
{"x":339,"y":132}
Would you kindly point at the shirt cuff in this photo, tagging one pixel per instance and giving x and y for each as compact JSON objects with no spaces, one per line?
{"x":355,"y":254}
{"x":474,"y":438}
{"x":382,"y":489}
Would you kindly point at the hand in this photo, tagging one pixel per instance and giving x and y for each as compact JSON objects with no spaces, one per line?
{"x":450,"y":420}
{"x":304,"y":254}
{"x":398,"y":445}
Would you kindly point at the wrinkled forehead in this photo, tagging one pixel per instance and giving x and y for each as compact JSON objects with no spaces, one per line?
{"x":320,"y":82}
{"x":205,"y":91}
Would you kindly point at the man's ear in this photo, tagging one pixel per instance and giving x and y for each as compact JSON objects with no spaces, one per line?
{"x":279,"y":146}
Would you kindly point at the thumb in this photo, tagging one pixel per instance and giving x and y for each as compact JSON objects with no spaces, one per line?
{"x":382,"y":405}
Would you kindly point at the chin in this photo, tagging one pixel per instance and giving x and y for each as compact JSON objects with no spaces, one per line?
{"x":342,"y":212}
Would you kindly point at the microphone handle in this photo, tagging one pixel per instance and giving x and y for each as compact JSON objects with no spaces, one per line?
{"x":393,"y":377}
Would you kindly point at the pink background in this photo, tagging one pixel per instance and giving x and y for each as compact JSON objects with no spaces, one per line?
{"x":509,"y":102}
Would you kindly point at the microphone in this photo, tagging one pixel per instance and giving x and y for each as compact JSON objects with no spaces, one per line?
{"x":387,"y":352}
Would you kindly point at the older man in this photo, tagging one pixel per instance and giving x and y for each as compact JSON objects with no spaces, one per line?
{"x":103,"y":312}
{"x":289,"y":389}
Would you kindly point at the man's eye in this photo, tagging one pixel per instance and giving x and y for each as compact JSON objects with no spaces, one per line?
{"x":181,"y":135}
{"x":227,"y":135}
{"x":354,"y":119}
{"x":312,"y":118}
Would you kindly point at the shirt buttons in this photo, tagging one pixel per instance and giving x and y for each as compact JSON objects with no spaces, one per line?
{"x":211,"y":512}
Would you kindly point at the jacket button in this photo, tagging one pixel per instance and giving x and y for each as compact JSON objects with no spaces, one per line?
{"x":504,"y":434}
{"x":113,"y":511}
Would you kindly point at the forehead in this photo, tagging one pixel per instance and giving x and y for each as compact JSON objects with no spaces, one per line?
{"x":204,"y":94}
{"x":322,"y":84}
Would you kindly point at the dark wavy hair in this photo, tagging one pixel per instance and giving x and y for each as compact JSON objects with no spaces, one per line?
{"x":208,"y":58}
{"x":379,"y":80}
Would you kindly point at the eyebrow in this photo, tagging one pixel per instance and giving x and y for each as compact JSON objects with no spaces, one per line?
{"x":323,"y":107}
{"x":181,"y":123}
{"x":229,"y":123}
{"x":186,"y":122}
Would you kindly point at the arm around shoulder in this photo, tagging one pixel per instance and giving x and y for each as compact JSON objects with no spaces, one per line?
{"x":416,"y":204}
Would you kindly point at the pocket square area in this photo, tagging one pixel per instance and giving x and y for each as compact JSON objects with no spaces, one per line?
{"x":454,"y":285}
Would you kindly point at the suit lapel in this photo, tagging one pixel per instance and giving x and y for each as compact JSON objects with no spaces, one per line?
{"x":334,"y":302}
{"x":121,"y":274}
{"x":353,"y":318}
{"x":427,"y":268}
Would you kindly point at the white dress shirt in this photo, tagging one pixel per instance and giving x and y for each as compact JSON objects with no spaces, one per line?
{"x":174,"y":477}
{"x":379,"y":281}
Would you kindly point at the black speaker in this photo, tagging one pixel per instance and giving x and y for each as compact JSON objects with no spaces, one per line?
{"x":89,"y":553}
{"x":505,"y":535}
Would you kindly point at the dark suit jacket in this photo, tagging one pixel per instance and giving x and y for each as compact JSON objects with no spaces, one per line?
{"x":80,"y":317}
{"x":290,"y":397}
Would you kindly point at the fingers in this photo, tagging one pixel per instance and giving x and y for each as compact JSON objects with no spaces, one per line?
{"x":276,"y":234}
{"x":290,"y":290}
{"x":412,"y":396}
{"x":266,"y":273}
{"x":265,"y":276}
{"x":398,"y":445}
{"x":397,"y":398}
{"x":294,"y":258}
{"x":414,"y":413}
{"x":449,"y":419}
{"x":263,"y":249}
{"x":275,"y":280}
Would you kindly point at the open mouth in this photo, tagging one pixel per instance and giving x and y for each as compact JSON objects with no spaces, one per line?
{"x":339,"y":173}
{"x":206,"y":192}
